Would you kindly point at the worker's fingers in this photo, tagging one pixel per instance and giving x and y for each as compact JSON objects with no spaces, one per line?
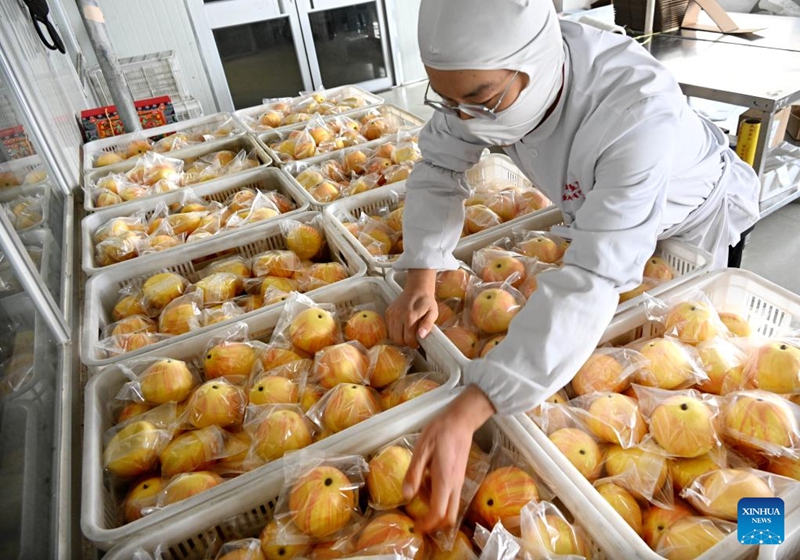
{"x":455,"y":502}
{"x":440,"y":499}
{"x":410,"y":329}
{"x":396,"y":317}
{"x":427,"y":322}
{"x":416,"y":469}
{"x":394,"y":322}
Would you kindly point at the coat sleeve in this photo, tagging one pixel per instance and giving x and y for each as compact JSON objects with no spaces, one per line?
{"x":613,"y":234}
{"x":435,"y":194}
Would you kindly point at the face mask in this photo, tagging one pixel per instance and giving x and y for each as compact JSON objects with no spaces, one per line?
{"x":522,"y":35}
{"x":522,"y":116}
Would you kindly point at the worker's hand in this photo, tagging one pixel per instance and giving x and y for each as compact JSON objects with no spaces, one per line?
{"x":415,"y":311}
{"x":443,"y":449}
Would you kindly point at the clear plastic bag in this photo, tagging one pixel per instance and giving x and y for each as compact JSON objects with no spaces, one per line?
{"x":182,"y":314}
{"x":235,"y":265}
{"x":775,"y":366}
{"x":388,"y":363}
{"x":231,"y":355}
{"x":344,"y":406}
{"x":132,"y":449}
{"x":390,"y":533}
{"x":717,"y":493}
{"x":691,"y":319}
{"x":506,"y":488}
{"x":220,"y":313}
{"x":315,"y":485}
{"x":546,"y":533}
{"x":160,"y":289}
{"x":195,"y":450}
{"x":497,"y":545}
{"x":719,"y":358}
{"x":157,"y":380}
{"x":492,"y":306}
{"x":408,"y":388}
{"x":216,"y":402}
{"x":497,"y":265}
{"x":305,"y":239}
{"x":387,"y":471}
{"x":306,"y":325}
{"x":671,"y":364}
{"x":244,"y":549}
{"x":763,"y":422}
{"x":683,"y":423}
{"x":276,"y":430}
{"x":544,"y":246}
{"x":691,"y":536}
{"x":141,"y":496}
{"x":576,"y":444}
{"x":366,"y":326}
{"x":642,"y":470}
{"x":607,"y":370}
{"x":346,"y":362}
{"x":186,"y":485}
{"x":611,"y":417}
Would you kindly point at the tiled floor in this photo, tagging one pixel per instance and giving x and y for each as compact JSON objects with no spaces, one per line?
{"x":773,"y":250}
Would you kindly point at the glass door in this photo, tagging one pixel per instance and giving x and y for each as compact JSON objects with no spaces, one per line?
{"x":256,"y":49}
{"x":347,"y":43}
{"x":39,"y":169}
{"x":252,"y":49}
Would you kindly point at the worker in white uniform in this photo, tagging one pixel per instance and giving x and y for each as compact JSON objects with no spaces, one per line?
{"x":603,"y":130}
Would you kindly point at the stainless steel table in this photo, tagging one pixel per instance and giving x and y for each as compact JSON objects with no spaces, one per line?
{"x":763,"y":79}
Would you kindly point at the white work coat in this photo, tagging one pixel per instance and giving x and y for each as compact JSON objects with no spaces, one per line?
{"x":628,"y":163}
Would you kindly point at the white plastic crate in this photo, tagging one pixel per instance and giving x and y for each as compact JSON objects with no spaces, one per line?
{"x":149,"y":75}
{"x":491,"y":166}
{"x":186,"y":108}
{"x":296,"y":167}
{"x":767,"y":307}
{"x":409,"y":122}
{"x":342,"y":91}
{"x":790,"y":549}
{"x":240,"y":514}
{"x":20,"y":466}
{"x":119,"y":144}
{"x":99,"y":507}
{"x":20,"y":168}
{"x":41,"y":189}
{"x":234,"y":144}
{"x":261,"y":179}
{"x":688,"y":262}
{"x":102,"y":290}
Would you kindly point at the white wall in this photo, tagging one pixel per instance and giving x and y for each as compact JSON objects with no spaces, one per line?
{"x":148,"y":26}
{"x":405,"y":13}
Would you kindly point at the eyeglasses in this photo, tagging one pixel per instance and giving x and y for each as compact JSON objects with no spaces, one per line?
{"x":471,"y":109}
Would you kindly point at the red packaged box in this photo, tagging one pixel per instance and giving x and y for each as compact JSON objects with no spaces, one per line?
{"x":104,"y":122}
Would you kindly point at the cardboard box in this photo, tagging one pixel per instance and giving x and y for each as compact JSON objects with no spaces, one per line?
{"x":104,"y":122}
{"x":779,"y":124}
{"x":793,"y":125}
{"x":15,"y":142}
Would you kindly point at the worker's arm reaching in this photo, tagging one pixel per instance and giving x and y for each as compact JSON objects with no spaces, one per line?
{"x":433,"y":220}
{"x":614,"y":233}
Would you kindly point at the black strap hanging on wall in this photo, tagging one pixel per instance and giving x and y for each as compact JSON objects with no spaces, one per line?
{"x":39,"y":16}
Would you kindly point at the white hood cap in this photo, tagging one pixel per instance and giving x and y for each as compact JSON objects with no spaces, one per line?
{"x":490,"y":35}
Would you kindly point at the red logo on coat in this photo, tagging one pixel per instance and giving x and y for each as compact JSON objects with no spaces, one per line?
{"x":572,"y":192}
